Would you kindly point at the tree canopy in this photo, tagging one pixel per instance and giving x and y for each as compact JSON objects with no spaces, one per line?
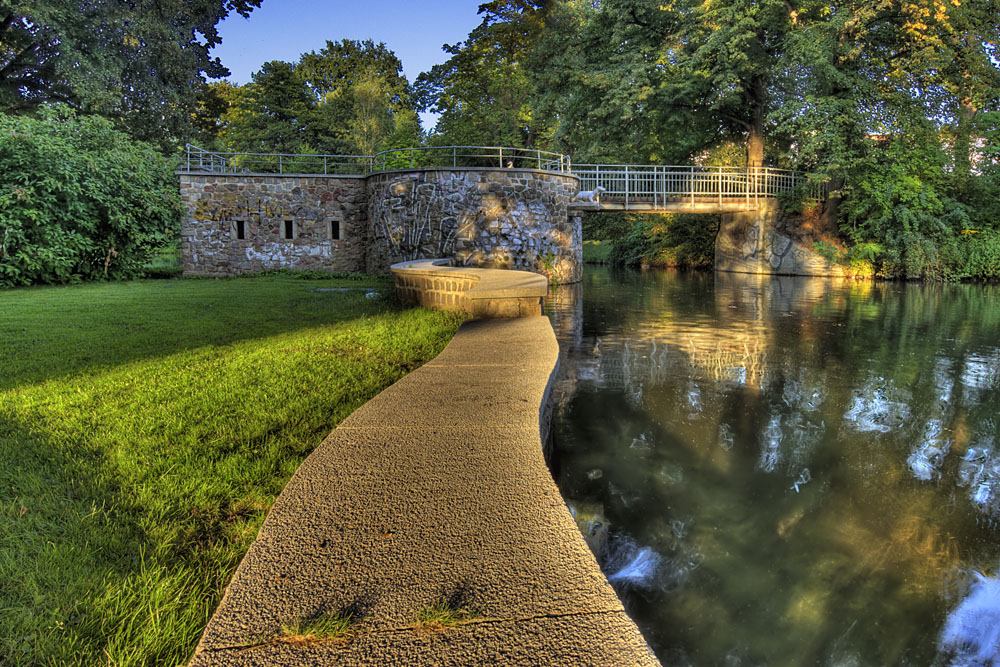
{"x":348,"y":98}
{"x":139,"y":63}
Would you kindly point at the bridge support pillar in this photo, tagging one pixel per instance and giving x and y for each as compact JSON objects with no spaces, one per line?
{"x":768,"y":241}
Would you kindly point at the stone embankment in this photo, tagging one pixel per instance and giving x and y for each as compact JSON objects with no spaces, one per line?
{"x":429,"y":523}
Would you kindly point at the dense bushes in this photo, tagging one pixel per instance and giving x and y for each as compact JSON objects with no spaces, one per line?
{"x":80,"y":200}
{"x":676,"y":240}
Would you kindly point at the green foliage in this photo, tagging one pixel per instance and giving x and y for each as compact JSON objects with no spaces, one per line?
{"x":350,"y":98}
{"x":483,"y":92}
{"x":80,"y":200}
{"x":605,"y":225}
{"x":445,"y":613}
{"x":597,"y":252}
{"x":137,"y":63}
{"x":273,"y":114}
{"x":674,"y":240}
{"x":146,"y":428}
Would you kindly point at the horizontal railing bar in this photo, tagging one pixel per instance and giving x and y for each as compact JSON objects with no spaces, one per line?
{"x":633,"y":182}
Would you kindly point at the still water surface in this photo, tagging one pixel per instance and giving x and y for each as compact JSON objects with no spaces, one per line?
{"x":787,"y":471}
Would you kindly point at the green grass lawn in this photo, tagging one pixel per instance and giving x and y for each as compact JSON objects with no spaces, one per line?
{"x":145,"y":430}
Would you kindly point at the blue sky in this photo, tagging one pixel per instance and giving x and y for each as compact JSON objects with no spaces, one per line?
{"x":284,"y":29}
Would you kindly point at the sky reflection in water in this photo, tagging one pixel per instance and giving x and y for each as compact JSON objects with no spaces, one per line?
{"x":798,"y":471}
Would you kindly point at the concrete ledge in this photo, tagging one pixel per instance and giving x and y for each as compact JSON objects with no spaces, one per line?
{"x":483,"y":293}
{"x":434,"y":492}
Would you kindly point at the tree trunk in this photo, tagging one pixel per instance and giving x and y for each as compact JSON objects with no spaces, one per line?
{"x":755,"y":147}
{"x":755,"y":129}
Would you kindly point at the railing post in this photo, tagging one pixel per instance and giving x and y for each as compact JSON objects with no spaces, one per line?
{"x":324,"y":165}
{"x":626,"y":187}
{"x":280,"y":168}
{"x":411,"y":158}
{"x":746,"y":186}
{"x":691,"y":185}
{"x":656,"y":187}
{"x":501,"y":157}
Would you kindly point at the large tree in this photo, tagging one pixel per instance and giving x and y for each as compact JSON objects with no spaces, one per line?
{"x":272,"y":114}
{"x":138,"y":62}
{"x":349,"y":98}
{"x":483,"y":91}
{"x":360,"y":91}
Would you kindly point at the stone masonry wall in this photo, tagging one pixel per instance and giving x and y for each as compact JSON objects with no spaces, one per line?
{"x":491,"y":218}
{"x":263,"y":203}
{"x":764,"y":241}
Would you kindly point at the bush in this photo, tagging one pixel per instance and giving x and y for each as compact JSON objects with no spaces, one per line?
{"x":675,"y":240}
{"x":80,"y":200}
{"x":605,"y":225}
{"x":597,"y":252}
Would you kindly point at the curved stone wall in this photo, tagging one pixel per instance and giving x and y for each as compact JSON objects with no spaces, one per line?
{"x":482,"y":293}
{"x":490,"y":218}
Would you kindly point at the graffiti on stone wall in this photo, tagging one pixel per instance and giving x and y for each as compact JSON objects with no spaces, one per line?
{"x":502,"y":219}
{"x":773,"y":250}
{"x":418,"y":220}
{"x":211,"y":246}
{"x":755,"y":246}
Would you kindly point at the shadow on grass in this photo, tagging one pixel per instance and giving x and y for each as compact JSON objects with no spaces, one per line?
{"x":66,"y":527}
{"x":51,"y":332}
{"x":129,"y":494}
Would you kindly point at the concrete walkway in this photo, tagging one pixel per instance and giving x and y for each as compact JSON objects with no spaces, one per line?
{"x":433,"y":493}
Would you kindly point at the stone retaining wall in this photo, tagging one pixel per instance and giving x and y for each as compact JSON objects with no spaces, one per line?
{"x":767,"y":241}
{"x":327,"y":216}
{"x":493,"y":218}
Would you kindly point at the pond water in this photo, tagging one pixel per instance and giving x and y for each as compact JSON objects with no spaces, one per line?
{"x":787,"y":471}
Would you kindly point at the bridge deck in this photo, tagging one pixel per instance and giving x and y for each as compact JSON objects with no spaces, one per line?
{"x":672,"y":205}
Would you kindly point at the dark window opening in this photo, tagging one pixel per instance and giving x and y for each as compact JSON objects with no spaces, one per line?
{"x":240,"y":228}
{"x":289,"y":229}
{"x":335,"y":230}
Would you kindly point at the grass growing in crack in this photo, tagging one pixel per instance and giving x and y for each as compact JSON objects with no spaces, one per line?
{"x":145,"y":429}
{"x":443,"y":614}
{"x":325,"y":628}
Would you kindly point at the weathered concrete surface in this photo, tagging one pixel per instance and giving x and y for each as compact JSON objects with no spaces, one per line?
{"x":434,"y":490}
{"x":483,"y":293}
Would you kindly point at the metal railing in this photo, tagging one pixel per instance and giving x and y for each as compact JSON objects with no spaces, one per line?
{"x":502,"y":157}
{"x":666,"y":184}
{"x":631,"y":184}
{"x":199,"y":159}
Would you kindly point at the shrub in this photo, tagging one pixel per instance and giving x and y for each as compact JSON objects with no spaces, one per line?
{"x":80,"y":200}
{"x":677,"y":240}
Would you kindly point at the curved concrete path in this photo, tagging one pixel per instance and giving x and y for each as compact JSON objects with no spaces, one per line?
{"x":434,"y":491}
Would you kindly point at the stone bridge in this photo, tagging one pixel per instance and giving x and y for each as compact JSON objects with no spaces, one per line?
{"x":485,"y":207}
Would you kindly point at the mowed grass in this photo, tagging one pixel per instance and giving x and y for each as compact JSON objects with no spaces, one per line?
{"x":145,"y":430}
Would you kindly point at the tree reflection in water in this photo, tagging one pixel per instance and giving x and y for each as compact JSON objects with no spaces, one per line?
{"x":817,"y":472}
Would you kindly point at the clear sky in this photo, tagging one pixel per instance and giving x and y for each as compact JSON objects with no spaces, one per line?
{"x":285,"y":29}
